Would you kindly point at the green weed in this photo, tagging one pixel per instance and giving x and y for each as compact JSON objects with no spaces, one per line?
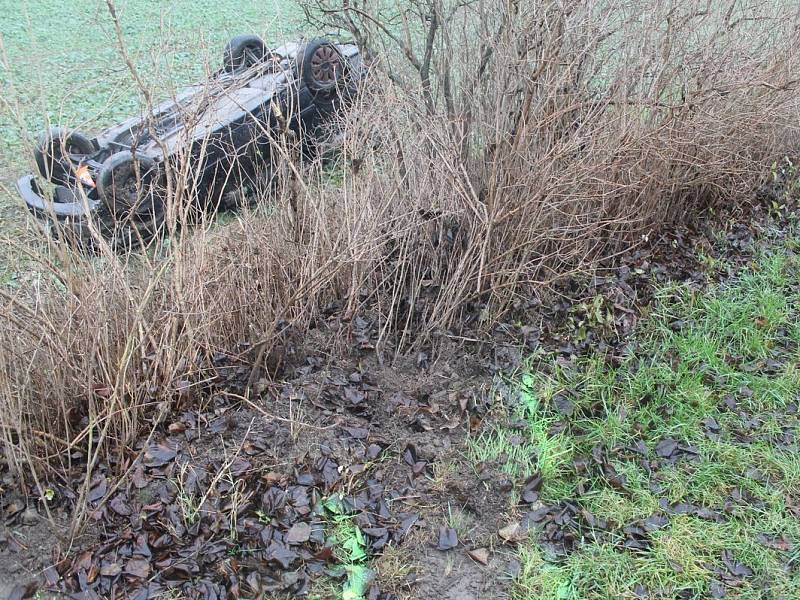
{"x":349,"y":548}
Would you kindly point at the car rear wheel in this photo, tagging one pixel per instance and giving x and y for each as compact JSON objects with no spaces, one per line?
{"x":321,"y":66}
{"x":58,"y":151}
{"x":128,"y":189}
{"x":243,"y":52}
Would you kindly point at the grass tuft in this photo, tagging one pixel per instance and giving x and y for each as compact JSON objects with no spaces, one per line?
{"x":714,"y":370}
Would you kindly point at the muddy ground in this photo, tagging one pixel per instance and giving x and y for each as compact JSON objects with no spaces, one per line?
{"x":232,"y":496}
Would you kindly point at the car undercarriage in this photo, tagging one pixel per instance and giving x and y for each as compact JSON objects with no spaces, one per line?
{"x":209,"y":139}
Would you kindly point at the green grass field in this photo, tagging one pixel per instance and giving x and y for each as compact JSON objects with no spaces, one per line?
{"x":61,"y":61}
{"x":682,"y":461}
{"x":60,"y":64}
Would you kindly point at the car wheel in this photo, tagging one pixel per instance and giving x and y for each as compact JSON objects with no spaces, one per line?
{"x":243,"y":52}
{"x":132,"y":208}
{"x":57,"y":150}
{"x":321,"y":66}
{"x":126,"y":185}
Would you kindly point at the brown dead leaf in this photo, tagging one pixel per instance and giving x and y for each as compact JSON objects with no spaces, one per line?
{"x":111,"y":570}
{"x":512,"y":532}
{"x":177,"y":427}
{"x":479,"y":555}
{"x":299,"y":533}
{"x":137,"y":568}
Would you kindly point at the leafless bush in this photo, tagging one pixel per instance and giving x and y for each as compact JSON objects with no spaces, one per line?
{"x":497,"y":147}
{"x":556,"y":133}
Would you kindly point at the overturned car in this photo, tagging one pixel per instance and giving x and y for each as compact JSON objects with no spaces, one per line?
{"x":217,"y":136}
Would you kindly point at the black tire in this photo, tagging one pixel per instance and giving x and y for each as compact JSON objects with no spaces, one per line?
{"x":321,"y":66}
{"x":243,"y":52}
{"x":132,"y":206}
{"x":50,"y":150}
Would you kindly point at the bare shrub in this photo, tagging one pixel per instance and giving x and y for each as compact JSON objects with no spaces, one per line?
{"x":561,"y":132}
{"x":497,"y":148}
